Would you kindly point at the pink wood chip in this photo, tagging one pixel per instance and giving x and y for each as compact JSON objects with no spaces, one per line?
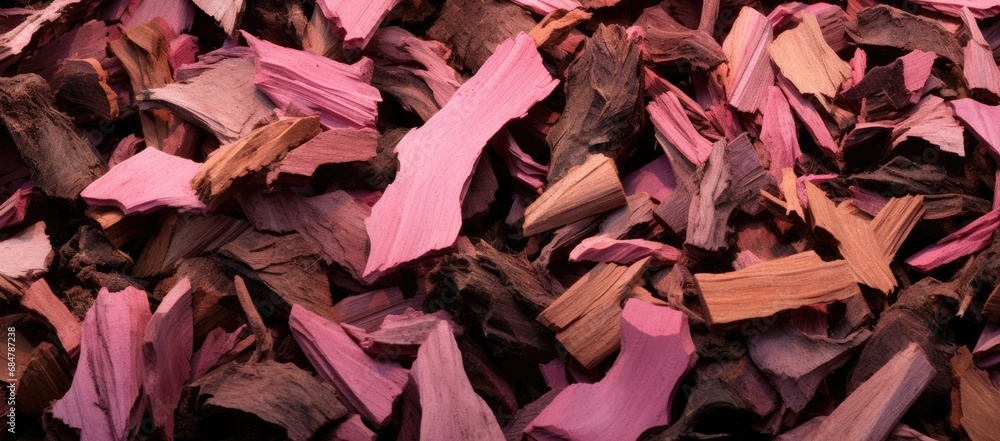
{"x":355,"y":21}
{"x":145,"y":182}
{"x":101,"y":401}
{"x":969,"y":239}
{"x":421,"y":211}
{"x":300,"y":81}
{"x":655,"y":179}
{"x":637,"y":391}
{"x":370,"y":386}
{"x":623,"y":251}
{"x":166,"y":348}
{"x":450,"y":409}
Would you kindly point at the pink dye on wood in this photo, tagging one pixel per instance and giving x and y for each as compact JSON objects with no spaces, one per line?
{"x":145,"y":182}
{"x":969,"y":239}
{"x":673,"y":124}
{"x":166,"y":349}
{"x":623,"y":251}
{"x":110,"y":371}
{"x":340,"y":94}
{"x":655,"y":179}
{"x":779,"y":134}
{"x":450,"y":409}
{"x":27,"y":254}
{"x":981,"y":120}
{"x":809,"y":117}
{"x":40,"y":299}
{"x":421,"y":211}
{"x":637,"y":392}
{"x":219,"y":347}
{"x":13,"y":210}
{"x":370,"y":386}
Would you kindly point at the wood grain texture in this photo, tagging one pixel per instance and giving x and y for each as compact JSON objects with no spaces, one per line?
{"x":777,"y":285}
{"x":587,"y":189}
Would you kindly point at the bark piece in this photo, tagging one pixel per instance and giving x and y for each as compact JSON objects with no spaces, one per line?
{"x":449,"y":408}
{"x":340,"y":94}
{"x":273,"y":386}
{"x":46,"y":376}
{"x":330,"y":147}
{"x":748,"y":71}
{"x":884,"y":25}
{"x":808,"y":62}
{"x":353,"y":22}
{"x":181,"y":237}
{"x":798,"y":362}
{"x":370,"y":385}
{"x":497,"y":294}
{"x":673,"y":45}
{"x":914,"y":318}
{"x":603,"y":102}
{"x":146,"y":182}
{"x":930,"y":119}
{"x":221,"y":171}
{"x":473,"y":42}
{"x":332,"y":224}
{"x":975,"y":403}
{"x":40,"y":299}
{"x":586,"y":316}
{"x":397,"y":226}
{"x":24,"y":257}
{"x":587,"y":189}
{"x":60,"y":159}
{"x":286,"y":267}
{"x":776,"y":285}
{"x":166,"y":348}
{"x":85,"y":83}
{"x":873,"y":409}
{"x":730,"y":178}
{"x":195,"y":97}
{"x":106,"y":385}
{"x":854,"y":238}
{"x":637,"y":392}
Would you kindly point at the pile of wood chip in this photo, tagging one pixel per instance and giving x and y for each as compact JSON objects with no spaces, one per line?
{"x":450,"y":220}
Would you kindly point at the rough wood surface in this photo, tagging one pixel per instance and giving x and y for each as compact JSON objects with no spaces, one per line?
{"x":222,"y":170}
{"x":274,"y":386}
{"x":61,"y":160}
{"x":604,"y":92}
